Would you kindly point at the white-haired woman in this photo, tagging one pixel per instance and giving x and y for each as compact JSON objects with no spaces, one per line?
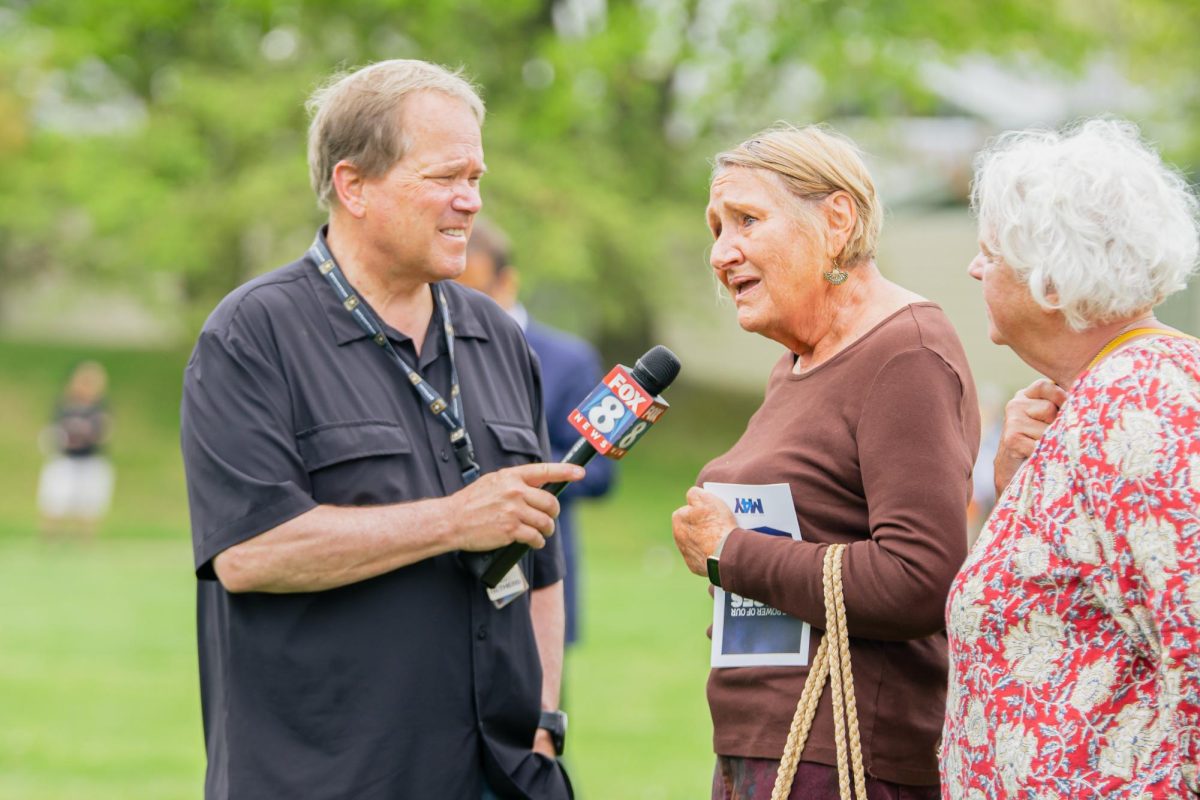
{"x":870,"y":417}
{"x":1075,"y":623}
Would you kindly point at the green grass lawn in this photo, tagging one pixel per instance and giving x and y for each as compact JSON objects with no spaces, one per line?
{"x":97,"y":671}
{"x":98,"y":687}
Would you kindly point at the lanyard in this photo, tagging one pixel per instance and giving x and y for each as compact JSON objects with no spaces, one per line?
{"x":450,"y":415}
{"x":1119,"y":340}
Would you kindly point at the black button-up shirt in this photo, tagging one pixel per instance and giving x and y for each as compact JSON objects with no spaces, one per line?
{"x":408,"y":685}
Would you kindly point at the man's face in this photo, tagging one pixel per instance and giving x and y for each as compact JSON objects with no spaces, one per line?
{"x":419,"y":213}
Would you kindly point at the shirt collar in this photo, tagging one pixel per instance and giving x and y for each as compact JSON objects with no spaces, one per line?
{"x":466,"y":321}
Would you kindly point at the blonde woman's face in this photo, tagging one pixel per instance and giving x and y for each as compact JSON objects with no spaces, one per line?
{"x":763,"y":253}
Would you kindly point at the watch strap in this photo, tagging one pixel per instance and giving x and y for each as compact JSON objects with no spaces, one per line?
{"x":714,"y":571}
{"x":555,"y":723}
{"x":714,"y":562}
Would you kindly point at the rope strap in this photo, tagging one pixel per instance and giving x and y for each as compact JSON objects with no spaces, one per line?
{"x":832,"y":661}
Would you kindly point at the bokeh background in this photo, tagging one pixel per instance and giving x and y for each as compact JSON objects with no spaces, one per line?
{"x":152,"y":158}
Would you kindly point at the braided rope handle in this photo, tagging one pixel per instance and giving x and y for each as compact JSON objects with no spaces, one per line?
{"x":832,"y":661}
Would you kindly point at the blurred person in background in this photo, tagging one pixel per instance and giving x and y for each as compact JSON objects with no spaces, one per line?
{"x":1075,"y":622}
{"x":76,"y":484}
{"x":570,"y":369}
{"x":983,"y":493}
{"x":353,"y":423}
{"x":870,"y":416}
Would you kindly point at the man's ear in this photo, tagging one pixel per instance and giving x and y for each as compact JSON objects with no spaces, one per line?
{"x":350,"y":186}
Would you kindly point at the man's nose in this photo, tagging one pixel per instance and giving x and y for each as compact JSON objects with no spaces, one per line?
{"x":469,"y":199}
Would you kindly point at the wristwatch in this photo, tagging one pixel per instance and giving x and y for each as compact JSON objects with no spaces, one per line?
{"x":714,"y":562}
{"x":555,"y":723}
{"x":714,"y":570}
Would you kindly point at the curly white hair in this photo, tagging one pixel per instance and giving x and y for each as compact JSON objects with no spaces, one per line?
{"x":1090,"y":217}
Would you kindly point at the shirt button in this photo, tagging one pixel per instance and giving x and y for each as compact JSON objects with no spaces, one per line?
{"x":445,"y":455}
{"x":481,"y":634}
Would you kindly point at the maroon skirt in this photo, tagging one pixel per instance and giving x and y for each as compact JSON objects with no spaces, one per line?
{"x":738,"y":778}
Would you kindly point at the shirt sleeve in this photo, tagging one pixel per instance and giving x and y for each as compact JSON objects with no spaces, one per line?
{"x":244,"y":473}
{"x":1138,"y":459}
{"x":915,"y":453}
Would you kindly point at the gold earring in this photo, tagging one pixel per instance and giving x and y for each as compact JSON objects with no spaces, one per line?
{"x":836,"y":275}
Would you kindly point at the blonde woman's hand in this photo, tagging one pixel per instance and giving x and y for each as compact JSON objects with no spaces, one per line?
{"x":700,"y":526}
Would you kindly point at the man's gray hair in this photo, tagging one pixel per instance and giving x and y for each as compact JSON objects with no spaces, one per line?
{"x":1090,"y":218}
{"x":358,"y":117}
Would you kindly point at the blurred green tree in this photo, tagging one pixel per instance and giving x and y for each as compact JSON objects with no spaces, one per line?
{"x":160,"y":143}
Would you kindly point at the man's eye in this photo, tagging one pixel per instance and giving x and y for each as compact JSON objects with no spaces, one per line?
{"x":748,"y":220}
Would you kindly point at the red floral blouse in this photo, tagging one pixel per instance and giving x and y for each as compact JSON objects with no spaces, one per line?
{"x":1074,"y":624}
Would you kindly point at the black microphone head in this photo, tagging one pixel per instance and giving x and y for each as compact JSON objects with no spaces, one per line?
{"x":656,"y":369}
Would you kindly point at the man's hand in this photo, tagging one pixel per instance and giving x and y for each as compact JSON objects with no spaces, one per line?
{"x":1026,"y":418}
{"x":507,"y":506}
{"x":700,"y":526}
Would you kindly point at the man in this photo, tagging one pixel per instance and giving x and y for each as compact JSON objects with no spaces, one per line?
{"x":351,"y":423}
{"x":570,"y":369}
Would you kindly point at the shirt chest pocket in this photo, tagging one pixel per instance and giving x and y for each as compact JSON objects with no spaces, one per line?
{"x":336,"y":442}
{"x":517,"y":443}
{"x":363,"y":462}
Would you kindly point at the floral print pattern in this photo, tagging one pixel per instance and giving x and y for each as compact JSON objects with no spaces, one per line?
{"x":1074,"y":625}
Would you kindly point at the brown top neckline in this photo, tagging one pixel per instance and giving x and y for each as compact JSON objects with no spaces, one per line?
{"x":795,"y":376}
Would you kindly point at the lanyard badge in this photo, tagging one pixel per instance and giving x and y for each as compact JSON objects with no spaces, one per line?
{"x":514,"y":584}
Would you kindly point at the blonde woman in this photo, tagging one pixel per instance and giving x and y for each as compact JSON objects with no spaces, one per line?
{"x":870,"y":416}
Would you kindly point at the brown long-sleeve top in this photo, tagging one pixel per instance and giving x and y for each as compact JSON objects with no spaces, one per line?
{"x":877,"y":444}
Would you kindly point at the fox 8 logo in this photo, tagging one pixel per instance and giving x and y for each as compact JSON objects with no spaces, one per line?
{"x":605,"y":412}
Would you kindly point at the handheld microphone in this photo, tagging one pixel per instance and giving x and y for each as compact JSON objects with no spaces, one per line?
{"x":611,"y":419}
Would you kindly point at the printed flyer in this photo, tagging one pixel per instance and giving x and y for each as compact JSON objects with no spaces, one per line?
{"x":747,"y":633}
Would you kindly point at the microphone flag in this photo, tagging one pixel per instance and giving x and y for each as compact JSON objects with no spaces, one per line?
{"x":616,"y":414}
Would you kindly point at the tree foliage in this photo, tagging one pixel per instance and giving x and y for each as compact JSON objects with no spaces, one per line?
{"x":160,"y":143}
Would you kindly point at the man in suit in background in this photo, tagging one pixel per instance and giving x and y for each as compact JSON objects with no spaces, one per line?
{"x":570,"y":369}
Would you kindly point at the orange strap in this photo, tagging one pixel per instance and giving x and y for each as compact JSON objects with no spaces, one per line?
{"x":1121,"y":339}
